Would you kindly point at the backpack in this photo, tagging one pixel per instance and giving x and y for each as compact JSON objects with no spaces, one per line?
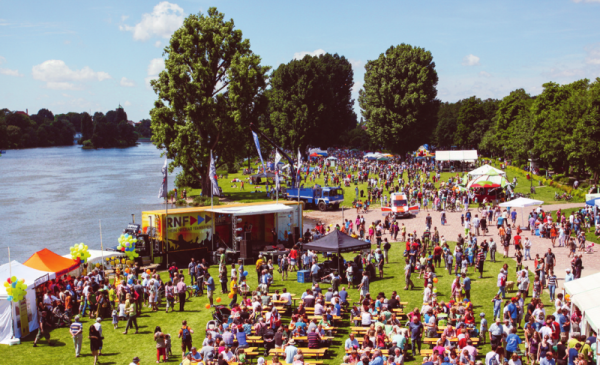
{"x":186,"y":335}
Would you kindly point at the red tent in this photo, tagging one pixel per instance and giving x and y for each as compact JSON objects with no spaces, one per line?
{"x":46,"y":260}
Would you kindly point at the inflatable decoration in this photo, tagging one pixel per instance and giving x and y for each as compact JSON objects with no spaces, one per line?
{"x":16,"y":289}
{"x":127,"y":245}
{"x":80,"y":252}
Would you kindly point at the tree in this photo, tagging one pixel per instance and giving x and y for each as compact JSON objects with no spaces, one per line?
{"x":399,"y":98}
{"x":87,"y":127}
{"x":510,"y":110}
{"x":471,"y":112}
{"x":446,"y":126}
{"x":143,"y":128}
{"x":311,"y":102}
{"x":209,"y":86}
{"x":43,"y":115}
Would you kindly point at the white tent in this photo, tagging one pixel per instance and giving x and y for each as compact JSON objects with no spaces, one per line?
{"x":486,"y":170}
{"x":521,"y":203}
{"x":97,"y":255}
{"x":463,"y":156}
{"x":582,"y":285}
{"x":585,"y":294}
{"x":30,"y":275}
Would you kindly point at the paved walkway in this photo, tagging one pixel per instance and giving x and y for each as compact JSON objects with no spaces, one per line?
{"x":591,"y":262}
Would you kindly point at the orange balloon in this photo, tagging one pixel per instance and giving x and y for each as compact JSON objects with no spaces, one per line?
{"x":218,"y":300}
{"x":207,"y":306}
{"x":230,"y":295}
{"x":127,"y":270}
{"x":435,"y":280}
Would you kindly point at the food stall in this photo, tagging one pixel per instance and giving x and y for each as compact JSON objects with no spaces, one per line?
{"x":243,"y":230}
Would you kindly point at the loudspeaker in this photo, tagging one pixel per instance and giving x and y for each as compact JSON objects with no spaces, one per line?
{"x":297,"y":233}
{"x":247,"y":236}
{"x":244,"y":249}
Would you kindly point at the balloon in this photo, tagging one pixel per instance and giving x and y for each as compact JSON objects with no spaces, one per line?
{"x":148,"y":271}
{"x":435,"y":280}
{"x":127,"y":270}
{"x":435,"y":290}
{"x":245,"y":273}
{"x":207,"y":306}
{"x":230,"y":295}
{"x":13,"y":279}
{"x":80,"y":252}
{"x":9,"y":298}
{"x":16,"y":289}
{"x":218,"y":300}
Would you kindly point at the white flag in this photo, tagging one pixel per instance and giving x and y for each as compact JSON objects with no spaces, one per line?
{"x":277,"y":159}
{"x":212,"y":171}
{"x":162,"y":193}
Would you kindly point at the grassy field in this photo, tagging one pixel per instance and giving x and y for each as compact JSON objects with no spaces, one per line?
{"x":120,"y":349}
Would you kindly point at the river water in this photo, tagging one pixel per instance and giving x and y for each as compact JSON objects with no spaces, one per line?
{"x":54,"y":197}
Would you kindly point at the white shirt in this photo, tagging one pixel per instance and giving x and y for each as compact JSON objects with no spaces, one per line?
{"x":98,"y":327}
{"x":511,"y":362}
{"x":426,"y":295}
{"x":288,"y":297}
{"x":365,"y":318}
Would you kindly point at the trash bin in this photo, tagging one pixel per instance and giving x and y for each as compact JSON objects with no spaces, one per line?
{"x":303,"y":276}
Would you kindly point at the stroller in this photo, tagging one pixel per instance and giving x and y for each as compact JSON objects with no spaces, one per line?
{"x":220,"y":315}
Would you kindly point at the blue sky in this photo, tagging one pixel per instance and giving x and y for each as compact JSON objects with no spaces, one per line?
{"x":83,"y":56}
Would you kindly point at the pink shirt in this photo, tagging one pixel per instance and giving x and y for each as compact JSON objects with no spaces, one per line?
{"x":181,"y":287}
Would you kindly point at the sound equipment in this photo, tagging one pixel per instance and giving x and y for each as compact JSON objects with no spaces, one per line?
{"x":245,"y":249}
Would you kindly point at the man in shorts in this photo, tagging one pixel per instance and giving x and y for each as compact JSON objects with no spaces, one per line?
{"x":44,"y":330}
{"x":185,"y":333}
{"x":209,"y":282}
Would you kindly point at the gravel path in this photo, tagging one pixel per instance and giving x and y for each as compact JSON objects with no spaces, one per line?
{"x":453,"y":228}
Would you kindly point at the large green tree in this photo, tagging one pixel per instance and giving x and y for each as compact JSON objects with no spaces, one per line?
{"x":311,"y":102}
{"x":399,"y":99}
{"x":511,"y":110}
{"x":207,"y":93}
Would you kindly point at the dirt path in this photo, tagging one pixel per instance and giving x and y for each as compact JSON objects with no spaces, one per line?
{"x":453,"y":228}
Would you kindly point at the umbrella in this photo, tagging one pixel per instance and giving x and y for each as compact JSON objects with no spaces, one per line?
{"x":494,"y":179}
{"x":383,"y":158}
{"x":485,"y":184}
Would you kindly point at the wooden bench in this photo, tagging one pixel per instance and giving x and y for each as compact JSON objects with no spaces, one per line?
{"x":383,"y":352}
{"x":305,"y":351}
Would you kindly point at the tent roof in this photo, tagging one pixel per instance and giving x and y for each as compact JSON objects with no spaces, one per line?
{"x":467,"y":155}
{"x":262,"y":174}
{"x":337,"y":242}
{"x":46,"y":260}
{"x":496,"y":179}
{"x":253,"y":210}
{"x":486,"y":170}
{"x":21,"y":271}
{"x":96,"y":255}
{"x":521,"y":203}
{"x":582,"y":285}
{"x":586,"y":301}
{"x":593,"y":318}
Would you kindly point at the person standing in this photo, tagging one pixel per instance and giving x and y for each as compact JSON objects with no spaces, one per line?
{"x":210,"y":287}
{"x":233,"y":292}
{"x":76,"y":331}
{"x":192,"y":270}
{"x":44,"y":330}
{"x":185,"y":333}
{"x":98,"y":326}
{"x":466,"y":284}
{"x":416,"y":330}
{"x":96,"y":341}
{"x":161,"y":345}
{"x":181,"y":292}
{"x":223,"y":278}
{"x":131,"y":312}
{"x":363,"y":287}
{"x":259,"y":263}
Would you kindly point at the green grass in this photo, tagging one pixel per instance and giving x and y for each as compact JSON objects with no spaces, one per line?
{"x":120,"y":349}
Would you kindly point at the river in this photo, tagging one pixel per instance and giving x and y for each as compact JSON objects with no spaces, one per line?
{"x":54,"y":197}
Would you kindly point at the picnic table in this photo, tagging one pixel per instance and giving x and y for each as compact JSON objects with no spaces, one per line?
{"x":305,"y":351}
{"x":384,"y":352}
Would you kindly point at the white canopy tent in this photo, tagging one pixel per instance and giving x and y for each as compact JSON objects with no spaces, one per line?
{"x":30,"y":275}
{"x":585,"y":294}
{"x":253,"y":210}
{"x":521,"y":203}
{"x":462,"y":156}
{"x":486,"y":170}
{"x":96,"y":257}
{"x":582,"y":285}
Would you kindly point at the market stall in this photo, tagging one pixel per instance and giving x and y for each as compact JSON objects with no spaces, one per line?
{"x":338,"y":243}
{"x":100,"y":257}
{"x":522,"y":203}
{"x":46,"y":260}
{"x":486,"y":170}
{"x":490,"y":187}
{"x":23,"y":314}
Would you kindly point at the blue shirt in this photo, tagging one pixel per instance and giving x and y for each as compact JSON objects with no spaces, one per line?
{"x":343,"y":296}
{"x":350,"y":344}
{"x":497,"y":304}
{"x":512,"y":309}
{"x":467,"y":283}
{"x":377,"y":361}
{"x":290,"y":352}
{"x":561,"y":319}
{"x":546,"y":361}
{"x":573,"y":353}
{"x":210,"y":284}
{"x":512,"y":342}
{"x":241,"y":337}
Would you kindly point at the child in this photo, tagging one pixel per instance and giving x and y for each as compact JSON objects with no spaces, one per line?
{"x":168,"y":345}
{"x":497,"y":306}
{"x":115,"y":319}
{"x":483,"y":328}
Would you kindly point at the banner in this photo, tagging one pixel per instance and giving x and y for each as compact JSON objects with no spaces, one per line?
{"x":162,"y":193}
{"x":24,"y":319}
{"x":257,"y":143}
{"x":213,"y":177}
{"x":277,"y":159}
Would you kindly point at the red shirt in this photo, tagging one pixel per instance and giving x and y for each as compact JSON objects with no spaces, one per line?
{"x":293,"y":254}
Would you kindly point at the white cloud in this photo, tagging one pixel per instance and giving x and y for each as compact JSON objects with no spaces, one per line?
{"x":356,"y":63}
{"x":57,"y":75}
{"x":124,"y":17}
{"x":154,"y":68}
{"x":8,"y":71}
{"x":300,"y":55}
{"x":162,"y":22}
{"x":586,"y":1}
{"x":470,"y":60}
{"x":157,"y":44}
{"x":485,"y":74}
{"x":593,"y":54}
{"x":127,"y":103}
{"x":127,"y":83}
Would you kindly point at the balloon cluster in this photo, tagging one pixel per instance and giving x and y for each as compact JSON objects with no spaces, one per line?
{"x":127,"y":245}
{"x":16,"y":289}
{"x":80,"y":252}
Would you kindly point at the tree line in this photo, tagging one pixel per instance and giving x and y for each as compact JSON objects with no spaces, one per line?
{"x":44,"y":129}
{"x":559,"y":129}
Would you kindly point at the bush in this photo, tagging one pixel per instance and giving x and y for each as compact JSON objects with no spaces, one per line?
{"x":181,"y":203}
{"x":204,"y":201}
{"x":88,"y":145}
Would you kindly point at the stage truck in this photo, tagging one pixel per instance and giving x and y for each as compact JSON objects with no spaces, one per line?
{"x":240,"y":230}
{"x":399,"y":205}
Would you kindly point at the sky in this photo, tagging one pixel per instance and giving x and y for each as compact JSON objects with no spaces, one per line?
{"x":92,"y":56}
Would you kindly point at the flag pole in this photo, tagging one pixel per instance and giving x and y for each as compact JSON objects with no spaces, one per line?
{"x":101,"y":245}
{"x":12,"y":320}
{"x":166,"y":231}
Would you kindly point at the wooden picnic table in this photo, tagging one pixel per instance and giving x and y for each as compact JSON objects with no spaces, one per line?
{"x":431,"y":340}
{"x":320,"y":352}
{"x":305,"y":338}
{"x":335,"y":318}
{"x":313,"y":362}
{"x":360,"y":351}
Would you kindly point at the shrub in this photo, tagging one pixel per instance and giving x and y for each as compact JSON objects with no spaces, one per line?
{"x":204,"y":201}
{"x":181,"y":203}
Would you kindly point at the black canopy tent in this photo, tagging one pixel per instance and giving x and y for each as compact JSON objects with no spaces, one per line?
{"x":337,"y":242}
